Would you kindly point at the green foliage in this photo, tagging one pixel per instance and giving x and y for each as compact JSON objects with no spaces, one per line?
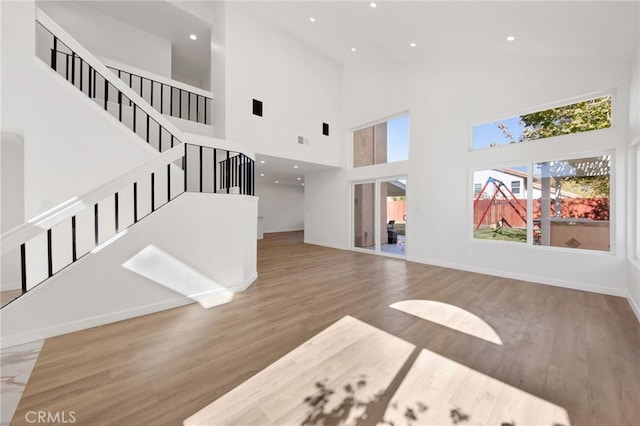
{"x":575,"y":118}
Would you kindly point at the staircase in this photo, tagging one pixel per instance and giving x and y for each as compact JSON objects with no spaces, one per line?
{"x":54,"y":243}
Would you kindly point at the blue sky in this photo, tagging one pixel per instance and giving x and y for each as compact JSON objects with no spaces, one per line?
{"x":398,"y":139}
{"x":485,"y":134}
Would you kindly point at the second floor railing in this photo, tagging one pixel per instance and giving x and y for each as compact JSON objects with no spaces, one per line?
{"x":168,"y":99}
{"x":96,"y":85}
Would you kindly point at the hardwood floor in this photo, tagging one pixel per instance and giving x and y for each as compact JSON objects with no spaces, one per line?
{"x":562,"y":352}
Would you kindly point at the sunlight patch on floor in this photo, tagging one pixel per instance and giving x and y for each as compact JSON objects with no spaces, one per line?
{"x":350,"y":373}
{"x":333,"y":376}
{"x":449,"y":316}
{"x":450,"y":393}
{"x":156,"y":265}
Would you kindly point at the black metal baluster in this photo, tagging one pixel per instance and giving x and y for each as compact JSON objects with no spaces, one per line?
{"x":171,"y":141}
{"x":153,"y":191}
{"x":148,"y":128}
{"x":168,"y":182}
{"x":135,"y":202}
{"x":161,"y":98}
{"x":135,"y":116}
{"x":171,"y":101}
{"x":201,"y":168}
{"x":23,"y":267}
{"x":106,"y":93}
{"x":215,"y":170}
{"x":117,"y":211}
{"x":131,"y":86}
{"x":228,"y":172}
{"x":141,"y":87}
{"x":73,"y":68}
{"x":49,"y":254}
{"x":189,"y":106}
{"x":119,"y":105}
{"x":184,"y":165}
{"x":81,"y":72}
{"x":95,"y":223}
{"x":95,"y":83}
{"x":151,"y":92}
{"x":90,"y":83}
{"x":66,"y":69}
{"x":54,"y":55}
{"x":198,"y":108}
{"x":159,"y":137}
{"x":74,"y":248}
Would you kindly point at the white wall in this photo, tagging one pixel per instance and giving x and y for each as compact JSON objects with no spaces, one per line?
{"x":105,"y":36}
{"x":12,"y":177}
{"x":443,"y":101}
{"x":299,"y":87}
{"x":213,"y":13}
{"x":281,"y":206}
{"x":193,"y":225}
{"x":70,"y":144}
{"x":633,"y":209}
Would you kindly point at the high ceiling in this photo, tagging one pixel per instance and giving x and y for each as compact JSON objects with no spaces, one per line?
{"x":443,"y":31}
{"x":544,"y":31}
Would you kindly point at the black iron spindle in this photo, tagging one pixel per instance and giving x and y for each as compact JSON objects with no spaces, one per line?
{"x":135,"y":202}
{"x":201,"y":168}
{"x":49,"y":254}
{"x":168,"y":182}
{"x":117,"y":211}
{"x":106,"y":93}
{"x":73,"y":68}
{"x":74,"y":244}
{"x":153,"y":191}
{"x":95,"y":223}
{"x":23,"y":266}
{"x":54,"y":54}
{"x":215,"y":170}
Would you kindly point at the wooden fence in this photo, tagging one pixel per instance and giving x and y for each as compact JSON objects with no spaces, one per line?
{"x":589,"y":208}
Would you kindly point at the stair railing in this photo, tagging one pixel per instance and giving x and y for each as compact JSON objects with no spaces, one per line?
{"x":52,"y":242}
{"x":78,"y":66}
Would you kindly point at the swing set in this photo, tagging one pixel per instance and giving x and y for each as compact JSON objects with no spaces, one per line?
{"x":512,"y":201}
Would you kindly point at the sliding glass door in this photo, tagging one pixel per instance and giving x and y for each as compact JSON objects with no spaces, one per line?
{"x":379,"y":215}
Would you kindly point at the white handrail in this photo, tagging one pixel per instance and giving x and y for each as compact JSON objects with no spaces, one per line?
{"x":113,"y":79}
{"x":130,"y":69}
{"x":12,"y":239}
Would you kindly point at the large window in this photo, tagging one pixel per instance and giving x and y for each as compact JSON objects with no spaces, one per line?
{"x":385,"y":142}
{"x":569,"y":207}
{"x":591,"y":114}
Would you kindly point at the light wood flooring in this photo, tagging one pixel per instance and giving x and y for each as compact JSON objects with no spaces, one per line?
{"x":563,"y":356}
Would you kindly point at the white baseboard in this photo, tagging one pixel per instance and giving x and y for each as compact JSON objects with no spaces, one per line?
{"x":334,"y":246}
{"x":59,"y":329}
{"x":524,"y":277}
{"x":69,"y":327}
{"x":634,"y":307}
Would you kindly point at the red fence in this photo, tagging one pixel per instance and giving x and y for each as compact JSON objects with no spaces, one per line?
{"x":396,"y":210}
{"x":590,"y":208}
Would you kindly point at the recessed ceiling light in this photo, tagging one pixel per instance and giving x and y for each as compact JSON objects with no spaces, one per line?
{"x":373,"y":5}
{"x":193,"y":37}
{"x":299,"y":178}
{"x":312,"y":19}
{"x":511,"y":38}
{"x":276,"y":181}
{"x":261,"y":161}
{"x":295,"y":167}
{"x":412,"y":44}
{"x":302,"y":183}
{"x":353,"y":49}
{"x":261,"y":174}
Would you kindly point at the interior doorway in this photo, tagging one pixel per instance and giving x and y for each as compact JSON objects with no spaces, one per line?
{"x":380,"y":216}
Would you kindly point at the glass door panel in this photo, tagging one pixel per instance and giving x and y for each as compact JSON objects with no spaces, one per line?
{"x":364,"y":211}
{"x":393,"y":215}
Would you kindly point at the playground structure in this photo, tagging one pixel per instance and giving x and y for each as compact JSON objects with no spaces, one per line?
{"x":511,"y":200}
